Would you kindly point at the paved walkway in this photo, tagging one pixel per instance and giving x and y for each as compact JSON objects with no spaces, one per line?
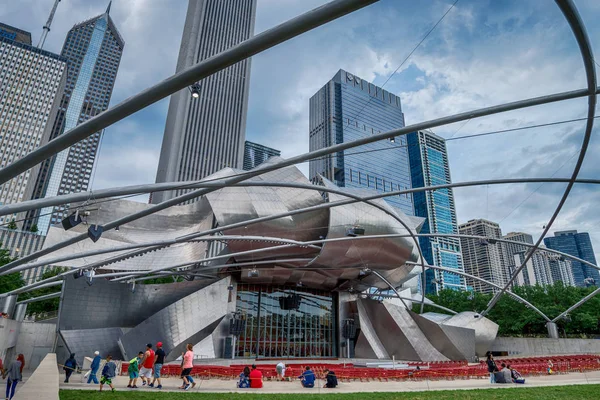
{"x":226,"y":386}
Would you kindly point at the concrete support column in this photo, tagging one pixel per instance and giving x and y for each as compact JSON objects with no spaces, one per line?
{"x":9,"y":304}
{"x":20,"y":311}
{"x":552,"y":330}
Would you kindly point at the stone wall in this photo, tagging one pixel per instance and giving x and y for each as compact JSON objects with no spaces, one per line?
{"x":9,"y":332}
{"x":523,"y":347}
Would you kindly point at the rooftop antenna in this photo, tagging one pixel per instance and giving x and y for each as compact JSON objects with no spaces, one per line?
{"x":47,"y":26}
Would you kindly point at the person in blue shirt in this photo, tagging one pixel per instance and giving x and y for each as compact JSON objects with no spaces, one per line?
{"x":307,"y":378}
{"x":94,"y":368}
{"x":108,"y":373}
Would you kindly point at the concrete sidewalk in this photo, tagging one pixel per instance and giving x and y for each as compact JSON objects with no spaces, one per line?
{"x":226,"y":386}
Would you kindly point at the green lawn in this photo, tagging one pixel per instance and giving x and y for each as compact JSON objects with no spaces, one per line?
{"x":525,"y":393}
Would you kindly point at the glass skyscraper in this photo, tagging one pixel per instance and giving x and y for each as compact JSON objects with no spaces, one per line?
{"x":578,"y":245}
{"x":428,"y":167}
{"x":349,"y":108}
{"x":93,"y":49}
{"x":256,"y":154}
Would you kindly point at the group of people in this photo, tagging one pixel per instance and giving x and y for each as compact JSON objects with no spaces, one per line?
{"x":504,"y":375}
{"x":147,"y":366}
{"x":13,"y":374}
{"x":253,"y":378}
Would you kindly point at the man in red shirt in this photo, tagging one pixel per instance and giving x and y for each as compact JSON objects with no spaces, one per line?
{"x":147,"y":365}
{"x":255,"y":378}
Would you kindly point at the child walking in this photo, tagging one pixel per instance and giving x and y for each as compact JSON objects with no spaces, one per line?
{"x":134,"y":370}
{"x":108,"y":373}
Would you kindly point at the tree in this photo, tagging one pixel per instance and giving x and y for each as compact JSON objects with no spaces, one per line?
{"x":34,"y":228}
{"x":12,"y":281}
{"x":12,"y":225}
{"x":45,"y":305}
{"x":516,"y":319}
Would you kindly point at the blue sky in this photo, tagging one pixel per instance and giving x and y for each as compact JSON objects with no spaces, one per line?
{"x":483,"y":53}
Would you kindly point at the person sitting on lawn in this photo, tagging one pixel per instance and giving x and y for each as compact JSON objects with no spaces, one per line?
{"x":307,"y":378}
{"x":516,"y":376}
{"x":134,"y":370}
{"x":331,"y":379}
{"x":244,"y":381}
{"x":256,"y":377}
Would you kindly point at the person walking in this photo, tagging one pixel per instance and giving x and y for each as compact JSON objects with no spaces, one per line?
{"x":94,"y":368}
{"x":492,"y":368}
{"x":280,"y":368}
{"x":134,"y":370}
{"x":256,"y":377}
{"x":147,"y":363}
{"x":1,"y":367}
{"x":244,"y":382}
{"x":187,"y":365}
{"x":108,"y":373}
{"x":158,"y":363}
{"x":69,"y":367}
{"x":14,"y":372}
{"x":330,"y":379}
{"x":307,"y":378}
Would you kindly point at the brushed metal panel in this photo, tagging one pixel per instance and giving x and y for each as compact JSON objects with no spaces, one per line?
{"x":485,"y":329}
{"x":111,"y":304}
{"x":369,"y":332}
{"x":189,"y":320}
{"x":84,"y":342}
{"x":439,"y":338}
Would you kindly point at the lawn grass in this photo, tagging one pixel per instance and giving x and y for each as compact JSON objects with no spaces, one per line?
{"x":525,"y":393}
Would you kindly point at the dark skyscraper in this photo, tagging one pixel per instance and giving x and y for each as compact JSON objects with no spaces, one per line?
{"x":349,"y":108}
{"x":578,"y":245}
{"x":206,"y":134}
{"x":93,"y":49}
{"x":256,"y":154}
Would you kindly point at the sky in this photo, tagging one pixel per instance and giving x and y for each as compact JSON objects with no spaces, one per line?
{"x":483,"y":53}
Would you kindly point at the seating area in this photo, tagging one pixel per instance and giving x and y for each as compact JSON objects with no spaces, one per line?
{"x":449,"y":370}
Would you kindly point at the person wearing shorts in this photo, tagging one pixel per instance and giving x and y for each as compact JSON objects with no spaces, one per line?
{"x":280,"y":368}
{"x":158,"y":363}
{"x":134,"y":371}
{"x":108,"y":373}
{"x":187,"y":364}
{"x":147,"y":369}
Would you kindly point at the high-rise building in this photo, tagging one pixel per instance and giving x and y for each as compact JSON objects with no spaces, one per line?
{"x":21,"y":243}
{"x":536,"y":271}
{"x":578,"y":245}
{"x":205,"y":133}
{"x":256,"y":154}
{"x":429,"y":166}
{"x":349,"y":108}
{"x":32,"y":82}
{"x":483,"y":258}
{"x":15,"y":34}
{"x":561,"y":269}
{"x":93,"y":49}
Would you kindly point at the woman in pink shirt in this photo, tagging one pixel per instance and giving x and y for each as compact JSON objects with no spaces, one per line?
{"x":186,"y":368}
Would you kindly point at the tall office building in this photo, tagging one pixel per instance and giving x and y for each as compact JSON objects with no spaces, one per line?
{"x":349,"y":108}
{"x":15,"y":34}
{"x":205,"y":134}
{"x":32,"y":82}
{"x":93,"y":49}
{"x":483,"y":258}
{"x":429,"y":166}
{"x":536,"y":271}
{"x":578,"y":245}
{"x":256,"y":154}
{"x":561,"y":269}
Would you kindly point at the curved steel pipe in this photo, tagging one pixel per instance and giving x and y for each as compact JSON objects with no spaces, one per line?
{"x":569,"y":10}
{"x":393,"y":288}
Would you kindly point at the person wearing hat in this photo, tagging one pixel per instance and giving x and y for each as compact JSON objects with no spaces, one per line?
{"x":158,"y":363}
{"x":94,"y":368}
{"x":147,"y":365}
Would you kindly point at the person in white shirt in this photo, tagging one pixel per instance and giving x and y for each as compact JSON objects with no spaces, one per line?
{"x":280,"y":371}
